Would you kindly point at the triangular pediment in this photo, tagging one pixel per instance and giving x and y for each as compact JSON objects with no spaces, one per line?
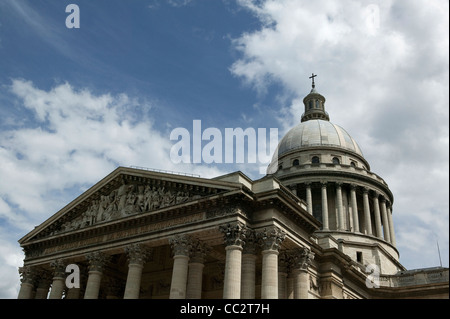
{"x":128,"y":192}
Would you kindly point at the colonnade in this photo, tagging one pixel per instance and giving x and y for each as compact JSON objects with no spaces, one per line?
{"x":376,"y":217}
{"x":242,"y":245}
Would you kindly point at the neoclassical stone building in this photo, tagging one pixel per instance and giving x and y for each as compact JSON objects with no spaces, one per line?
{"x":318,"y":225}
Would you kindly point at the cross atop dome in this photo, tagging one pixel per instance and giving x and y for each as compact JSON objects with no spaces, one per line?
{"x":312,"y":77}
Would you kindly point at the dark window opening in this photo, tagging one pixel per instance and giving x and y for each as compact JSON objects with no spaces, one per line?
{"x":296,"y":162}
{"x":315,"y":160}
{"x":359,"y":256}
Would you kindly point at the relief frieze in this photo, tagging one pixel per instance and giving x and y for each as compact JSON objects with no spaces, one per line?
{"x":127,"y":200}
{"x":106,"y":238}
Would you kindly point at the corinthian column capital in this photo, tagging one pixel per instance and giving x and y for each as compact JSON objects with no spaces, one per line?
{"x":234,"y":234}
{"x":270,"y":238}
{"x":138,"y":254}
{"x":303,"y":258}
{"x":181,"y":245}
{"x":97,"y":260}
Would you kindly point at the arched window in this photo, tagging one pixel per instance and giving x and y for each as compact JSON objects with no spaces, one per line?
{"x":353,"y":164}
{"x":310,"y":104}
{"x":315,"y":160}
{"x":280,"y":166}
{"x":317,"y":104}
{"x":336,"y":160}
{"x":295,"y":162}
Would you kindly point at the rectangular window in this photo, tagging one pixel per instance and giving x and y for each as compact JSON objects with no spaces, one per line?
{"x":359,"y":256}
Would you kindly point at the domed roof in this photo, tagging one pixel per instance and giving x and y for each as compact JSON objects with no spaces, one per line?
{"x":317,"y":133}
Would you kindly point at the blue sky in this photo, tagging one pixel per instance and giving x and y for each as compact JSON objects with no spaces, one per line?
{"x":77,"y":103}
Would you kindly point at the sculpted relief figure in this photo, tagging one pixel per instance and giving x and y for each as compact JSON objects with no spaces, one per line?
{"x":128,"y":199}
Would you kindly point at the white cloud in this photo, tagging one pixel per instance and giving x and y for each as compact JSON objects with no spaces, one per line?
{"x":10,"y":259}
{"x":75,"y":139}
{"x":384,"y":71}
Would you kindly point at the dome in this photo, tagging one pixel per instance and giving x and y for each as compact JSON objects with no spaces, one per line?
{"x":317,"y":133}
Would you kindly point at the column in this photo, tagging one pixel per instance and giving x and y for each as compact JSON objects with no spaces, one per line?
{"x":270,"y":240}
{"x":302,"y":260}
{"x":97,"y":261}
{"x":325,"y":225}
{"x":43,"y":286}
{"x":26,"y":287}
{"x":290,"y":284}
{"x":367,"y":222}
{"x":195,"y":273}
{"x":234,"y":239}
{"x":354,"y":208}
{"x":340,"y":208}
{"x":113,"y":288}
{"x":181,"y":246}
{"x":391,"y":226}
{"x":248,"y":276}
{"x":384,"y":218}
{"x":376,"y":211}
{"x":283,"y":270}
{"x":309,"y":198}
{"x":59,"y":279}
{"x":137,"y":256}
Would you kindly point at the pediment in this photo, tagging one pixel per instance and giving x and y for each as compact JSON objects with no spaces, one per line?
{"x":127,"y":192}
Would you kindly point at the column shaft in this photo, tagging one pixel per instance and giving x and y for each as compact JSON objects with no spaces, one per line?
{"x":232,"y":278}
{"x":179,"y":277}
{"x":391,"y":227}
{"x":340,"y":209}
{"x":26,"y":290}
{"x":301,"y":284}
{"x":269,"y":282}
{"x":133,"y":285}
{"x":93,"y":285}
{"x":376,"y":211}
{"x":384,"y":218}
{"x":58,"y":286}
{"x":309,"y":198}
{"x":367,"y":221}
{"x":290,"y":286}
{"x":195,"y":280}
{"x":282,"y":285}
{"x":354,"y":209}
{"x":248,"y":276}
{"x":325,"y":225}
